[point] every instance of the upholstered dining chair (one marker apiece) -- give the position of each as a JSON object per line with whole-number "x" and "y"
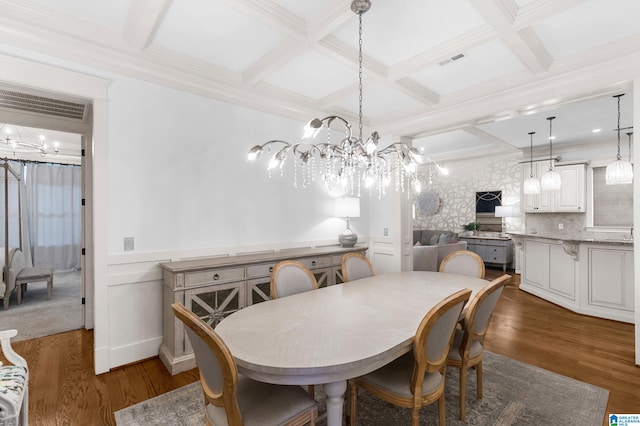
{"x": 14, "y": 384}
{"x": 291, "y": 277}
{"x": 463, "y": 262}
{"x": 355, "y": 266}
{"x": 417, "y": 378}
{"x": 467, "y": 348}
{"x": 233, "y": 399}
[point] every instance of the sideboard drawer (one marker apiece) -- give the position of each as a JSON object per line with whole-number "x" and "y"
{"x": 213, "y": 276}
{"x": 316, "y": 262}
{"x": 263, "y": 270}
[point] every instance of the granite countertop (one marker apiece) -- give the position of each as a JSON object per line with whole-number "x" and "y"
{"x": 574, "y": 238}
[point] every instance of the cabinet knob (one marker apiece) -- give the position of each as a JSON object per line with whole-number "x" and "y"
{"x": 313, "y": 263}
{"x": 216, "y": 277}
{"x": 270, "y": 269}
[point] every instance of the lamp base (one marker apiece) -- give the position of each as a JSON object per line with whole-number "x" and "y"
{"x": 348, "y": 239}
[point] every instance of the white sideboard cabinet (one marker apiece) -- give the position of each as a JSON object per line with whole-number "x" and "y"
{"x": 569, "y": 199}
{"x": 492, "y": 250}
{"x": 214, "y": 288}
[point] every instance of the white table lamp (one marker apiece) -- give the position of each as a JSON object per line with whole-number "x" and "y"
{"x": 347, "y": 207}
{"x": 504, "y": 211}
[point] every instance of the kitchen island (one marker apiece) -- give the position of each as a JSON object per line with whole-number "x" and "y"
{"x": 586, "y": 275}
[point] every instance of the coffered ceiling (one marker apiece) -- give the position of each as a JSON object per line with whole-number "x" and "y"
{"x": 461, "y": 78}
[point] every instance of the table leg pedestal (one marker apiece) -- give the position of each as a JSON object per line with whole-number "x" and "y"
{"x": 335, "y": 401}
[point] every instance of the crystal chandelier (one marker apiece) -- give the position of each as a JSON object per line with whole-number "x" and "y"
{"x": 620, "y": 172}
{"x": 352, "y": 162}
{"x": 17, "y": 145}
{"x": 532, "y": 184}
{"x": 550, "y": 180}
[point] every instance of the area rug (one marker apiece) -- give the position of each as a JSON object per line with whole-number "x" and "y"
{"x": 514, "y": 394}
{"x": 38, "y": 316}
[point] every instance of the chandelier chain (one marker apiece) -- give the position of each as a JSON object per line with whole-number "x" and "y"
{"x": 360, "y": 76}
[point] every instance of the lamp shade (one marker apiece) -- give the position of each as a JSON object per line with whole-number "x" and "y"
{"x": 347, "y": 207}
{"x": 504, "y": 211}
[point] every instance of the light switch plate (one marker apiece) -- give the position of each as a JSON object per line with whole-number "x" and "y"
{"x": 128, "y": 243}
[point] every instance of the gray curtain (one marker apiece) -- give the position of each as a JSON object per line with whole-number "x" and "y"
{"x": 54, "y": 214}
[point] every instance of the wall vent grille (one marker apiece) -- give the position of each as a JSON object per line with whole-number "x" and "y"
{"x": 41, "y": 105}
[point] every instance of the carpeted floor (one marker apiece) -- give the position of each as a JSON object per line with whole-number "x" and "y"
{"x": 37, "y": 316}
{"x": 514, "y": 394}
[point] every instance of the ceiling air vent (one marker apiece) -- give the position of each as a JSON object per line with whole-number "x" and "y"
{"x": 451, "y": 59}
{"x": 41, "y": 105}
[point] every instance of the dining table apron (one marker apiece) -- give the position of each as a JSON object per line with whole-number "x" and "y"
{"x": 336, "y": 333}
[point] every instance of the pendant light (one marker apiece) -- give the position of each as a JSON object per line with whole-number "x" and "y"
{"x": 532, "y": 184}
{"x": 550, "y": 181}
{"x": 620, "y": 172}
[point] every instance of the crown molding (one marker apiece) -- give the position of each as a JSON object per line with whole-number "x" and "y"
{"x": 144, "y": 19}
{"x": 416, "y": 91}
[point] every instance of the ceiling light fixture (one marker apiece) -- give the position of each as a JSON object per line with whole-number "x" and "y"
{"x": 22, "y": 146}
{"x": 352, "y": 162}
{"x": 532, "y": 184}
{"x": 620, "y": 172}
{"x": 550, "y": 180}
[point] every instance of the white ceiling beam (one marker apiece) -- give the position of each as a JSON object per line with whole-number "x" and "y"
{"x": 329, "y": 20}
{"x": 540, "y": 9}
{"x": 459, "y": 44}
{"x": 271, "y": 14}
{"x": 524, "y": 44}
{"x": 275, "y": 59}
{"x": 144, "y": 19}
{"x": 490, "y": 138}
{"x": 344, "y": 53}
{"x": 416, "y": 91}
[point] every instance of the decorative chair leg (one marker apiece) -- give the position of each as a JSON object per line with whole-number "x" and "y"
{"x": 442, "y": 411}
{"x": 479, "y": 379}
{"x": 352, "y": 402}
{"x": 463, "y": 391}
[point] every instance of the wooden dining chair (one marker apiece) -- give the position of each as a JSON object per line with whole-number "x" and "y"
{"x": 355, "y": 266}
{"x": 291, "y": 277}
{"x": 467, "y": 348}
{"x": 417, "y": 378}
{"x": 233, "y": 399}
{"x": 463, "y": 262}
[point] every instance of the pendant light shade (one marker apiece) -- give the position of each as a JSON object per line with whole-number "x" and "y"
{"x": 531, "y": 185}
{"x": 620, "y": 172}
{"x": 550, "y": 181}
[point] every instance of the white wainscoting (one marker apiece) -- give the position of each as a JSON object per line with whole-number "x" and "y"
{"x": 134, "y": 298}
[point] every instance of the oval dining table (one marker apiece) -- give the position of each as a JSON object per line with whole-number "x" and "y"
{"x": 333, "y": 334}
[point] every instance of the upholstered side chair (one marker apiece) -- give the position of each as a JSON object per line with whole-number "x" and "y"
{"x": 291, "y": 277}
{"x": 233, "y": 399}
{"x": 467, "y": 348}
{"x": 14, "y": 384}
{"x": 463, "y": 262}
{"x": 356, "y": 266}
{"x": 417, "y": 378}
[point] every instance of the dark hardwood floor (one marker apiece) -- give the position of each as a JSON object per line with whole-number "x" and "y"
{"x": 65, "y": 391}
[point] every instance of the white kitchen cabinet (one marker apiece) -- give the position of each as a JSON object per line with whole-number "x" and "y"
{"x": 571, "y": 196}
{"x": 549, "y": 268}
{"x": 591, "y": 278}
{"x": 610, "y": 286}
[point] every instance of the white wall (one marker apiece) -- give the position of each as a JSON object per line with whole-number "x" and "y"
{"x": 170, "y": 170}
